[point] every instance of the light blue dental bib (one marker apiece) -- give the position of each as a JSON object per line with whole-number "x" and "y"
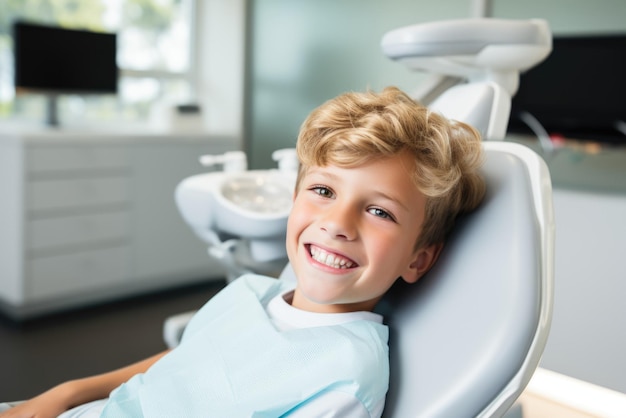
{"x": 232, "y": 362}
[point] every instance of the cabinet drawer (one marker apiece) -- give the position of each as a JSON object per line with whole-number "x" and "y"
{"x": 83, "y": 157}
{"x": 71, "y": 274}
{"x": 77, "y": 230}
{"x": 60, "y": 194}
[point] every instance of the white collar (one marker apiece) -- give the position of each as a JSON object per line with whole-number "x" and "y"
{"x": 286, "y": 317}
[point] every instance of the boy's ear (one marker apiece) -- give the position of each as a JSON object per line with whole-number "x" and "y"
{"x": 424, "y": 259}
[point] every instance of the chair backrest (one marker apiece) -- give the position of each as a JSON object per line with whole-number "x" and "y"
{"x": 465, "y": 339}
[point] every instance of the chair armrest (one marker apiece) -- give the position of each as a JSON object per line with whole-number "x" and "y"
{"x": 174, "y": 326}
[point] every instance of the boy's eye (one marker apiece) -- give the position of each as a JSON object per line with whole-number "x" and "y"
{"x": 322, "y": 191}
{"x": 378, "y": 212}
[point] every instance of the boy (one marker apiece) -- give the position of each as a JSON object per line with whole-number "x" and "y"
{"x": 381, "y": 182}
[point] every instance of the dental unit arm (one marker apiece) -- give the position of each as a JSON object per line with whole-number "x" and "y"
{"x": 477, "y": 63}
{"x": 242, "y": 215}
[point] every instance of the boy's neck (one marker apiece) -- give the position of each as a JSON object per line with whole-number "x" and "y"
{"x": 299, "y": 301}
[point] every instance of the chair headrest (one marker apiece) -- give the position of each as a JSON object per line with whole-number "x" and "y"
{"x": 462, "y": 333}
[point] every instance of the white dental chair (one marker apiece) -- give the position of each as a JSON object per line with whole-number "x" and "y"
{"x": 466, "y": 339}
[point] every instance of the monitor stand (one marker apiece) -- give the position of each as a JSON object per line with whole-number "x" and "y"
{"x": 52, "y": 110}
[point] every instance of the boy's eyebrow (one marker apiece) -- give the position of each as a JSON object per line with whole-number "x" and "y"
{"x": 322, "y": 173}
{"x": 320, "y": 170}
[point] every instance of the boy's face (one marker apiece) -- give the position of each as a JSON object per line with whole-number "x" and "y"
{"x": 352, "y": 233}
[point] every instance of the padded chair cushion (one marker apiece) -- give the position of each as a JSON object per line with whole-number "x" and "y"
{"x": 462, "y": 333}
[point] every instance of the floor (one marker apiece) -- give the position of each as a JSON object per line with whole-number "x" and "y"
{"x": 39, "y": 353}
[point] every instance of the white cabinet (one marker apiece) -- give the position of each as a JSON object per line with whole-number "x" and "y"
{"x": 87, "y": 218}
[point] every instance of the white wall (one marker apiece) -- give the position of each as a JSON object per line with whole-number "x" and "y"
{"x": 567, "y": 16}
{"x": 588, "y": 335}
{"x": 221, "y": 64}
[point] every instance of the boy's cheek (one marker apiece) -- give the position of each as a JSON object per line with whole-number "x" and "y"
{"x": 300, "y": 212}
{"x": 299, "y": 221}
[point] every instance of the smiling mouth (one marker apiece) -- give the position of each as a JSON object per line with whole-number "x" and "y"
{"x": 329, "y": 259}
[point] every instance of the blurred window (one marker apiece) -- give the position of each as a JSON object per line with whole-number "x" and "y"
{"x": 155, "y": 55}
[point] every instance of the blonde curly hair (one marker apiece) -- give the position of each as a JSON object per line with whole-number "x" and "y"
{"x": 356, "y": 128}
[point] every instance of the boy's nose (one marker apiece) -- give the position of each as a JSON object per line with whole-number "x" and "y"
{"x": 340, "y": 223}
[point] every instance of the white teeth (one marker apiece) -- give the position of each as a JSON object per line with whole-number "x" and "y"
{"x": 330, "y": 260}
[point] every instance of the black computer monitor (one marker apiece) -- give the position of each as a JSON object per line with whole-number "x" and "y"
{"x": 579, "y": 91}
{"x": 54, "y": 60}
